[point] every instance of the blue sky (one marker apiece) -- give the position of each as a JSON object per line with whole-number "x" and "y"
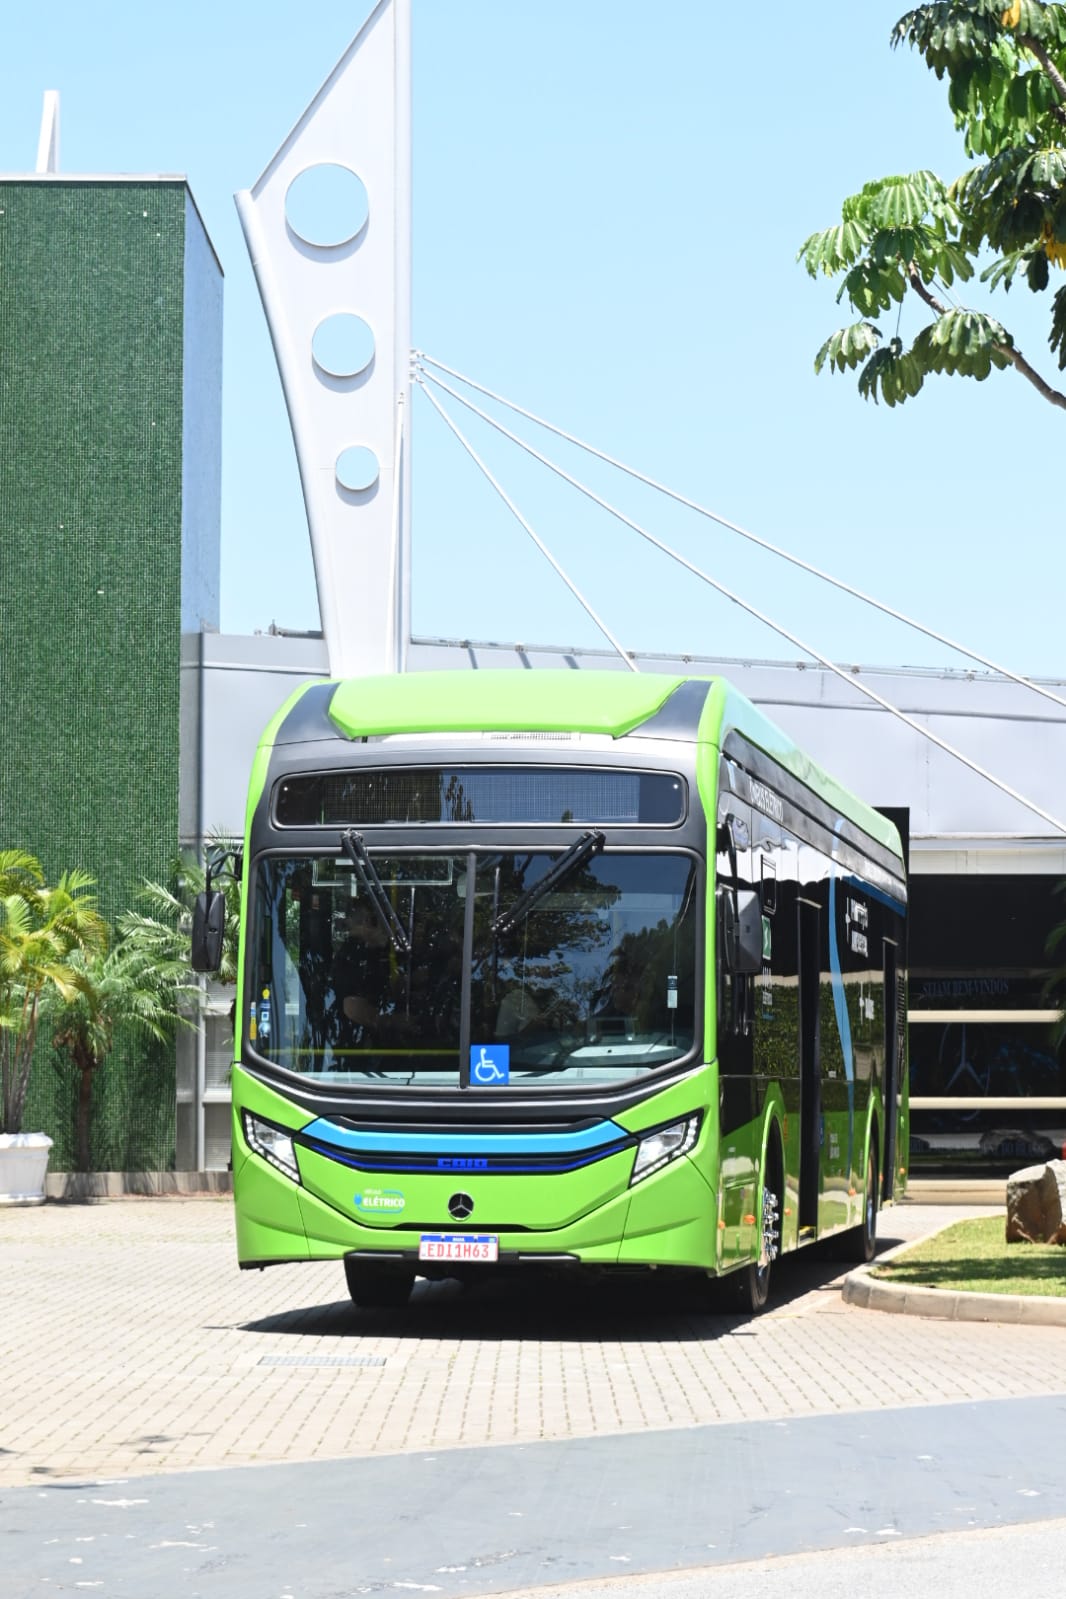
{"x": 609, "y": 197}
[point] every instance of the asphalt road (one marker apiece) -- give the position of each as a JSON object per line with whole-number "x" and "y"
{"x": 497, "y": 1520}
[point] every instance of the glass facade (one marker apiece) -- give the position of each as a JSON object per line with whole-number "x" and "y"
{"x": 987, "y": 1058}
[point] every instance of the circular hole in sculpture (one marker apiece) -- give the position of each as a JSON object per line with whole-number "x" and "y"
{"x": 343, "y": 345}
{"x": 357, "y": 468}
{"x": 327, "y": 204}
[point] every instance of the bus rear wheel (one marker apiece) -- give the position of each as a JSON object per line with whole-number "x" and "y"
{"x": 378, "y": 1285}
{"x": 859, "y": 1244}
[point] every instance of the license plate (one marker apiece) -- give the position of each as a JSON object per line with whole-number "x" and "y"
{"x": 458, "y": 1246}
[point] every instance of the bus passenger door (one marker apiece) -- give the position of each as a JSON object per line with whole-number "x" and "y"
{"x": 737, "y": 1108}
{"x": 893, "y": 1060}
{"x": 810, "y": 945}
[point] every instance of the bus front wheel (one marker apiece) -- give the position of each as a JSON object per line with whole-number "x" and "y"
{"x": 378, "y": 1285}
{"x": 751, "y": 1284}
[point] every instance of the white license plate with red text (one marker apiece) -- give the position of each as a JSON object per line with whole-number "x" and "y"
{"x": 459, "y": 1246}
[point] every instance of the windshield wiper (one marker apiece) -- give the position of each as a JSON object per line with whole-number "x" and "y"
{"x": 588, "y": 844}
{"x": 353, "y": 846}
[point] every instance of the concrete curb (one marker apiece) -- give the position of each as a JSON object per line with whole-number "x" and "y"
{"x": 81, "y": 1186}
{"x": 867, "y": 1292}
{"x": 956, "y": 1191}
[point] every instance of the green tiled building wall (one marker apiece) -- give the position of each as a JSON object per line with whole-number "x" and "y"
{"x": 94, "y": 401}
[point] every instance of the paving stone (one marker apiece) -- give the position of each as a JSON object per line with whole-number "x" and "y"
{"x": 132, "y": 1344}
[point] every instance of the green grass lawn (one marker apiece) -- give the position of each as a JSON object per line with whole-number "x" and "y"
{"x": 973, "y": 1257}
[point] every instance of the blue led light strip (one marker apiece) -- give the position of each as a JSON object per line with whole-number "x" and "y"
{"x": 397, "y": 1142}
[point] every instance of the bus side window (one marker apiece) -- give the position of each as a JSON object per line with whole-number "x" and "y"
{"x": 769, "y": 885}
{"x": 739, "y": 953}
{"x": 727, "y": 988}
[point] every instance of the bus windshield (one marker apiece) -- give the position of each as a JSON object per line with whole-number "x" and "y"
{"x": 594, "y": 983}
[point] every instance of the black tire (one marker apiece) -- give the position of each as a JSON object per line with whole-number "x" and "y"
{"x": 378, "y": 1286}
{"x": 750, "y": 1286}
{"x": 859, "y": 1244}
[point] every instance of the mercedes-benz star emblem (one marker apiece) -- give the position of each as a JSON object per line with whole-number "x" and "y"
{"x": 460, "y": 1206}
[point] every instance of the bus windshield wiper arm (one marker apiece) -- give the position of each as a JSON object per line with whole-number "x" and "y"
{"x": 353, "y": 846}
{"x": 589, "y": 844}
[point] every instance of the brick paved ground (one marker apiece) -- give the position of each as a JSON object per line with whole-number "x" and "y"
{"x": 131, "y": 1343}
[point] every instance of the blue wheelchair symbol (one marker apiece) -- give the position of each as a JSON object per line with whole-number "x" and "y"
{"x": 489, "y": 1064}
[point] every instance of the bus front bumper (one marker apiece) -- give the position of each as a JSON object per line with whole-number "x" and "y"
{"x": 667, "y": 1220}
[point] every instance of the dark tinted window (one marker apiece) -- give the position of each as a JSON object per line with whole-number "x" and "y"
{"x": 595, "y": 983}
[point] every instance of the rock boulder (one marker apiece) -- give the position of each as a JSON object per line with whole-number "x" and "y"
{"x": 1036, "y": 1204}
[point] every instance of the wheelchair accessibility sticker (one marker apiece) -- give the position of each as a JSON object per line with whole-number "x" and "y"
{"x": 490, "y": 1064}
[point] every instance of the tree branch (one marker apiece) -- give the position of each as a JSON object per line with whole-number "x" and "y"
{"x": 1020, "y": 364}
{"x": 1014, "y": 356}
{"x": 923, "y": 292}
{"x": 1027, "y": 41}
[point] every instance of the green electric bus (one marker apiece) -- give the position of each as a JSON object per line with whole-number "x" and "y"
{"x": 559, "y": 969}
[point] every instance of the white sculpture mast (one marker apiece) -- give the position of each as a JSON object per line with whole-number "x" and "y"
{"x": 48, "y": 142}
{"x": 328, "y": 227}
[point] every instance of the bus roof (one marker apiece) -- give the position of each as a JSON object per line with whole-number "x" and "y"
{"x": 734, "y": 712}
{"x": 611, "y": 703}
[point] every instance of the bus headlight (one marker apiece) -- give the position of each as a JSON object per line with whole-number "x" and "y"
{"x": 658, "y": 1149}
{"x": 272, "y": 1143}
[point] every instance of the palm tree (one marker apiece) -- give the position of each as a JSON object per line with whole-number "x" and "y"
{"x": 42, "y": 930}
{"x": 142, "y": 983}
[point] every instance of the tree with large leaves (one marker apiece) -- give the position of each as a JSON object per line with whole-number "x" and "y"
{"x": 141, "y": 985}
{"x": 914, "y": 237}
{"x": 44, "y": 933}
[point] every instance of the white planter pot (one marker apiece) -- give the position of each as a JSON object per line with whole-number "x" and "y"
{"x": 23, "y": 1167}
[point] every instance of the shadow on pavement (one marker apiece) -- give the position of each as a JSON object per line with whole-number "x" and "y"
{"x": 566, "y": 1307}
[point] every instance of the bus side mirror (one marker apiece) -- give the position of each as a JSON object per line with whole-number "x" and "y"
{"x": 208, "y": 928}
{"x": 740, "y": 924}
